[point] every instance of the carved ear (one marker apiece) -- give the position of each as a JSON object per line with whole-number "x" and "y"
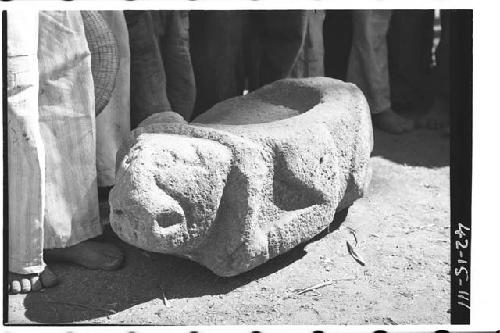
{"x": 131, "y": 138}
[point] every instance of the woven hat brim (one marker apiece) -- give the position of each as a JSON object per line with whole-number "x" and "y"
{"x": 105, "y": 58}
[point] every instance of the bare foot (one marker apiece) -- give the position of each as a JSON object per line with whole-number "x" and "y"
{"x": 89, "y": 254}
{"x": 25, "y": 283}
{"x": 391, "y": 122}
{"x": 438, "y": 116}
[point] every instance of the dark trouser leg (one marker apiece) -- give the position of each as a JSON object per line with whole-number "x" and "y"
{"x": 174, "y": 48}
{"x": 337, "y": 32}
{"x": 147, "y": 75}
{"x": 217, "y": 55}
{"x": 368, "y": 62}
{"x": 310, "y": 61}
{"x": 280, "y": 35}
{"x": 410, "y": 51}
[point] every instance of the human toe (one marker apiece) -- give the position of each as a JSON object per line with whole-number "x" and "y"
{"x": 15, "y": 287}
{"x": 36, "y": 284}
{"x": 25, "y": 285}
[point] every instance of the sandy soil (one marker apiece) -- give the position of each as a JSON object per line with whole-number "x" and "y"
{"x": 399, "y": 232}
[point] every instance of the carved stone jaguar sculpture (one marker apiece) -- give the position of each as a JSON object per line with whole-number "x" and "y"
{"x": 249, "y": 179}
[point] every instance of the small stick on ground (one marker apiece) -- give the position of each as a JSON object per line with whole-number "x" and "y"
{"x": 353, "y": 233}
{"x": 390, "y": 321}
{"x": 353, "y": 254}
{"x": 83, "y": 306}
{"x": 321, "y": 285}
{"x": 165, "y": 300}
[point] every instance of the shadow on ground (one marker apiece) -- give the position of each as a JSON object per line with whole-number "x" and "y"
{"x": 421, "y": 147}
{"x": 85, "y": 294}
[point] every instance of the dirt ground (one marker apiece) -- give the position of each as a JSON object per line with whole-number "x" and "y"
{"x": 399, "y": 231}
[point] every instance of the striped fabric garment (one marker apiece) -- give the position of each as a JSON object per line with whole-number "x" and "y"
{"x": 26, "y": 157}
{"x": 61, "y": 127}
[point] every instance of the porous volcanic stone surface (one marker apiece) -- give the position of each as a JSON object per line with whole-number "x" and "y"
{"x": 249, "y": 179}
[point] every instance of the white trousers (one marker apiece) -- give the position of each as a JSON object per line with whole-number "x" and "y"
{"x": 51, "y": 137}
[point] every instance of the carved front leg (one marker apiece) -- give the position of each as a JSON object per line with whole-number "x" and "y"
{"x": 237, "y": 241}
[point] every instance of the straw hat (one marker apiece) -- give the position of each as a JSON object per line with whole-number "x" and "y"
{"x": 105, "y": 58}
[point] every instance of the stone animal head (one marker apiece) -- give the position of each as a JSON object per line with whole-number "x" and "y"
{"x": 170, "y": 189}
